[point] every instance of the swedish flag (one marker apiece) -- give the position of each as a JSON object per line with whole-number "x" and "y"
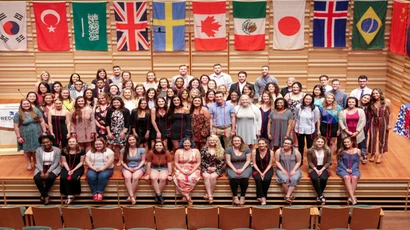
{"x": 369, "y": 23}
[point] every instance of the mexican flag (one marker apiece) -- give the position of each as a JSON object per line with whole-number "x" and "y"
{"x": 249, "y": 24}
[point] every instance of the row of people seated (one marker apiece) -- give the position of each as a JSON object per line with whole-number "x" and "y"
{"x": 187, "y": 166}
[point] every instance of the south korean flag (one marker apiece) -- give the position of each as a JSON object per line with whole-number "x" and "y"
{"x": 13, "y": 35}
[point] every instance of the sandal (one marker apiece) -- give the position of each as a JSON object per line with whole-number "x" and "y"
{"x": 235, "y": 201}
{"x": 69, "y": 200}
{"x": 29, "y": 168}
{"x": 242, "y": 201}
{"x": 288, "y": 200}
{"x": 133, "y": 201}
{"x": 372, "y": 158}
{"x": 206, "y": 196}
{"x": 211, "y": 199}
{"x": 379, "y": 159}
{"x": 46, "y": 200}
{"x": 318, "y": 200}
{"x": 349, "y": 201}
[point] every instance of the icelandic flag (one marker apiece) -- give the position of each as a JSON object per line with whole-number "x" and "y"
{"x": 169, "y": 26}
{"x": 329, "y": 23}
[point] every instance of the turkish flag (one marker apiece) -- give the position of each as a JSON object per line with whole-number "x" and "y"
{"x": 51, "y": 26}
{"x": 398, "y": 28}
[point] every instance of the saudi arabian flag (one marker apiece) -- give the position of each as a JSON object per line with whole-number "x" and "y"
{"x": 90, "y": 25}
{"x": 368, "y": 24}
{"x": 249, "y": 24}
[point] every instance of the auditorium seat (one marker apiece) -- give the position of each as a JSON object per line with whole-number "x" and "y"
{"x": 12, "y": 217}
{"x": 369, "y": 213}
{"x": 77, "y": 216}
{"x": 265, "y": 216}
{"x": 295, "y": 217}
{"x": 70, "y": 229}
{"x": 114, "y": 214}
{"x": 170, "y": 217}
{"x": 37, "y": 228}
{"x": 196, "y": 216}
{"x": 139, "y": 216}
{"x": 234, "y": 217}
{"x": 47, "y": 216}
{"x": 334, "y": 217}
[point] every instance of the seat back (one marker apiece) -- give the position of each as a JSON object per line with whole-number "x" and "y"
{"x": 139, "y": 217}
{"x": 264, "y": 217}
{"x": 295, "y": 218}
{"x": 170, "y": 217}
{"x": 11, "y": 217}
{"x": 370, "y": 214}
{"x": 47, "y": 216}
{"x": 234, "y": 217}
{"x": 77, "y": 217}
{"x": 107, "y": 217}
{"x": 202, "y": 217}
{"x": 334, "y": 217}
{"x": 37, "y": 228}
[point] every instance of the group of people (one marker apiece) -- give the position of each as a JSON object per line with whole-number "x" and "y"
{"x": 191, "y": 127}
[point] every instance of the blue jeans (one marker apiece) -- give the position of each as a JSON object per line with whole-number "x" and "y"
{"x": 98, "y": 180}
{"x": 363, "y": 144}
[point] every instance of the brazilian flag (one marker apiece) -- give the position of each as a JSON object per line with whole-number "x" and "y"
{"x": 368, "y": 24}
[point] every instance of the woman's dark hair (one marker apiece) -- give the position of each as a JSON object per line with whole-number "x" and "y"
{"x": 157, "y": 106}
{"x": 35, "y": 103}
{"x": 66, "y": 150}
{"x": 311, "y": 106}
{"x": 288, "y": 139}
{"x": 91, "y": 100}
{"x": 94, "y": 150}
{"x": 122, "y": 106}
{"x": 127, "y": 147}
{"x": 163, "y": 146}
{"x": 298, "y": 84}
{"x": 343, "y": 147}
{"x": 178, "y": 78}
{"x": 118, "y": 90}
{"x": 71, "y": 78}
{"x": 211, "y": 91}
{"x": 191, "y": 110}
{"x": 98, "y": 73}
{"x": 172, "y": 107}
{"x": 43, "y": 84}
{"x": 285, "y": 102}
{"x": 200, "y": 88}
{"x": 56, "y": 83}
{"x": 181, "y": 143}
{"x": 355, "y": 101}
{"x": 277, "y": 89}
{"x": 149, "y": 90}
{"x": 43, "y": 137}
{"x": 322, "y": 90}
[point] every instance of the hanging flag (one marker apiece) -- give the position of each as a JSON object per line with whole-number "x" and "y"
{"x": 13, "y": 26}
{"x": 90, "y": 25}
{"x": 131, "y": 24}
{"x": 51, "y": 26}
{"x": 408, "y": 35}
{"x": 169, "y": 26}
{"x": 398, "y": 27}
{"x": 288, "y": 23}
{"x": 249, "y": 25}
{"x": 209, "y": 23}
{"x": 329, "y": 23}
{"x": 368, "y": 24}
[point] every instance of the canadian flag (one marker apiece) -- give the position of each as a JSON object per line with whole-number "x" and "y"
{"x": 210, "y": 29}
{"x": 51, "y": 26}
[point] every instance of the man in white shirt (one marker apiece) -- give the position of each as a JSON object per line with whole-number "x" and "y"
{"x": 220, "y": 77}
{"x": 263, "y": 80}
{"x": 183, "y": 72}
{"x": 116, "y": 79}
{"x": 363, "y": 89}
{"x": 324, "y": 80}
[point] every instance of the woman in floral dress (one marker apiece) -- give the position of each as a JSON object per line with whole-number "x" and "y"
{"x": 200, "y": 122}
{"x": 117, "y": 123}
{"x": 100, "y": 115}
{"x": 187, "y": 172}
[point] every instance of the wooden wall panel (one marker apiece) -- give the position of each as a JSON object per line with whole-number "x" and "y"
{"x": 306, "y": 65}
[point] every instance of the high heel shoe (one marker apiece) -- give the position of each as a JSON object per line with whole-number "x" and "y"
{"x": 235, "y": 201}
{"x": 288, "y": 200}
{"x": 46, "y": 200}
{"x": 379, "y": 159}
{"x": 133, "y": 201}
{"x": 242, "y": 201}
{"x": 210, "y": 199}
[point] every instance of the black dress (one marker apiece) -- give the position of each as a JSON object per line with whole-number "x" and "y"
{"x": 262, "y": 186}
{"x": 60, "y": 130}
{"x": 162, "y": 123}
{"x": 180, "y": 126}
{"x": 72, "y": 186}
{"x": 141, "y": 125}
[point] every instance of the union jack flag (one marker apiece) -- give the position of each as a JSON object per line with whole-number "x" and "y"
{"x": 329, "y": 23}
{"x": 131, "y": 24}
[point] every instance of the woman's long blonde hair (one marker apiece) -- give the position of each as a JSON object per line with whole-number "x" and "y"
{"x": 220, "y": 152}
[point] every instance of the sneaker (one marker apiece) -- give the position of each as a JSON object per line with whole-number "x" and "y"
{"x": 95, "y": 197}
{"x": 99, "y": 197}
{"x": 160, "y": 199}
{"x": 364, "y": 160}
